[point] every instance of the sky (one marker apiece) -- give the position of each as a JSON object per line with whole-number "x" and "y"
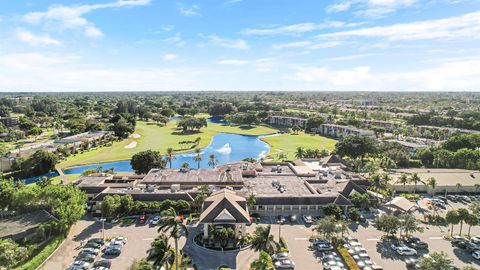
{"x": 162, "y": 45}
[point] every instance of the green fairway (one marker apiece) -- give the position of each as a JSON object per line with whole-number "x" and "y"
{"x": 288, "y": 143}
{"x": 153, "y": 137}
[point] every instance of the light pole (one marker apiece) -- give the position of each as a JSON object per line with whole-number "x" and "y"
{"x": 103, "y": 228}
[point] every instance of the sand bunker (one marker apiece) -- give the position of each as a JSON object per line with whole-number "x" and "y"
{"x": 135, "y": 135}
{"x": 131, "y": 145}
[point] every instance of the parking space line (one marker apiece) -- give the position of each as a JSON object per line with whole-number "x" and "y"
{"x": 436, "y": 238}
{"x": 148, "y": 239}
{"x": 302, "y": 238}
{"x": 373, "y": 239}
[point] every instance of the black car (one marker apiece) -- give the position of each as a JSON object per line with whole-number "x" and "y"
{"x": 460, "y": 244}
{"x": 96, "y": 240}
{"x": 103, "y": 263}
{"x": 93, "y": 245}
{"x": 280, "y": 219}
{"x": 416, "y": 243}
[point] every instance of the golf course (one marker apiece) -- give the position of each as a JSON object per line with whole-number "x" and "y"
{"x": 150, "y": 136}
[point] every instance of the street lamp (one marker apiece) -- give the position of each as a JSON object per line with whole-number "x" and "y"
{"x": 103, "y": 228}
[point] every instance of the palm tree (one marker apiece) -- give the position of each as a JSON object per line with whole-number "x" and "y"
{"x": 161, "y": 253}
{"x": 415, "y": 179}
{"x": 264, "y": 262}
{"x": 452, "y": 218}
{"x": 262, "y": 240}
{"x": 403, "y": 180}
{"x": 432, "y": 182}
{"x": 471, "y": 220}
{"x": 198, "y": 157}
{"x": 251, "y": 200}
{"x": 171, "y": 222}
{"x": 459, "y": 186}
{"x": 170, "y": 156}
{"x": 463, "y": 215}
{"x": 299, "y": 153}
{"x": 212, "y": 161}
{"x": 185, "y": 166}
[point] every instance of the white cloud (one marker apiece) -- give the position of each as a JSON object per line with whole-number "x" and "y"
{"x": 34, "y": 39}
{"x": 294, "y": 29}
{"x": 228, "y": 43}
{"x": 307, "y": 45}
{"x": 71, "y": 17}
{"x": 462, "y": 75}
{"x": 190, "y": 11}
{"x": 169, "y": 57}
{"x": 176, "y": 39}
{"x": 234, "y": 62}
{"x": 259, "y": 65}
{"x": 370, "y": 8}
{"x": 464, "y": 26}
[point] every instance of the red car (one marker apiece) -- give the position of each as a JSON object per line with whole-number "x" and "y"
{"x": 141, "y": 219}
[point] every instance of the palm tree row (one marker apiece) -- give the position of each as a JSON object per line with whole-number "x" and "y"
{"x": 310, "y": 153}
{"x": 461, "y": 216}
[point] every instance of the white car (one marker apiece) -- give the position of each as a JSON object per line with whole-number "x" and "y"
{"x": 406, "y": 251}
{"x": 307, "y": 219}
{"x": 122, "y": 239}
{"x": 280, "y": 256}
{"x": 476, "y": 255}
{"x": 155, "y": 220}
{"x": 285, "y": 264}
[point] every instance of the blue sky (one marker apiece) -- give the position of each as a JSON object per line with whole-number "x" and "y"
{"x": 151, "y": 45}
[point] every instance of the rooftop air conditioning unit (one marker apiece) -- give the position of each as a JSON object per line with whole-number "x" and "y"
{"x": 175, "y": 187}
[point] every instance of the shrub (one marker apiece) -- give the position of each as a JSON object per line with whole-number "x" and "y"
{"x": 41, "y": 256}
{"x": 347, "y": 258}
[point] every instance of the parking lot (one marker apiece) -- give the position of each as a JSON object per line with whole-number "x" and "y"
{"x": 139, "y": 239}
{"x": 296, "y": 235}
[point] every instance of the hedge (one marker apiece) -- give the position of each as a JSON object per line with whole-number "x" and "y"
{"x": 347, "y": 258}
{"x": 34, "y": 262}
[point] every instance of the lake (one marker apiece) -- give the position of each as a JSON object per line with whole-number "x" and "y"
{"x": 226, "y": 148}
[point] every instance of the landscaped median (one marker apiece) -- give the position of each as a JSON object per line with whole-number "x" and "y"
{"x": 347, "y": 258}
{"x": 43, "y": 255}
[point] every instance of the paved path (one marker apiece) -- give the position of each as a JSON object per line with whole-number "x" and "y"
{"x": 62, "y": 175}
{"x": 207, "y": 259}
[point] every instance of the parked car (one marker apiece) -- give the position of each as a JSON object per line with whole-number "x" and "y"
{"x": 452, "y": 198}
{"x": 141, "y": 219}
{"x": 93, "y": 251}
{"x": 96, "y": 240}
{"x": 86, "y": 257}
{"x": 416, "y": 243}
{"x": 113, "y": 250}
{"x": 121, "y": 239}
{"x": 92, "y": 245}
{"x": 470, "y": 246}
{"x": 100, "y": 268}
{"x": 281, "y": 219}
{"x": 284, "y": 264}
{"x": 103, "y": 263}
{"x": 476, "y": 254}
{"x": 332, "y": 264}
{"x": 457, "y": 238}
{"x": 307, "y": 219}
{"x": 406, "y": 251}
{"x": 79, "y": 265}
{"x": 155, "y": 220}
{"x": 280, "y": 256}
{"x": 475, "y": 239}
{"x": 460, "y": 244}
{"x": 293, "y": 218}
{"x": 324, "y": 247}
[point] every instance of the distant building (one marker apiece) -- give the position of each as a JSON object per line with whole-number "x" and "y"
{"x": 387, "y": 125}
{"x": 9, "y": 121}
{"x": 287, "y": 121}
{"x": 339, "y": 131}
{"x": 448, "y": 180}
{"x": 447, "y": 131}
{"x": 412, "y": 147}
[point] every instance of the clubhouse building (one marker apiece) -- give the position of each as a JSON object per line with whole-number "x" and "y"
{"x": 301, "y": 187}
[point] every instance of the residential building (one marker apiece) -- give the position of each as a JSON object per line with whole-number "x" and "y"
{"x": 9, "y": 121}
{"x": 286, "y": 121}
{"x": 339, "y": 131}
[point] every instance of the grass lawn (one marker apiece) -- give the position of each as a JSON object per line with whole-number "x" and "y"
{"x": 153, "y": 137}
{"x": 288, "y": 143}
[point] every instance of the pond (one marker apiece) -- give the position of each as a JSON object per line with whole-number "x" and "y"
{"x": 226, "y": 148}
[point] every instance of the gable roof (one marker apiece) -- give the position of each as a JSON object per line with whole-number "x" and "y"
{"x": 346, "y": 188}
{"x": 402, "y": 204}
{"x": 224, "y": 206}
{"x": 342, "y": 201}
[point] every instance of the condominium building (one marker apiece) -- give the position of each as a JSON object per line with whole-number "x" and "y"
{"x": 339, "y": 131}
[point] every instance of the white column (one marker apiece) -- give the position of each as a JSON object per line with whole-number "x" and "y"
{"x": 205, "y": 230}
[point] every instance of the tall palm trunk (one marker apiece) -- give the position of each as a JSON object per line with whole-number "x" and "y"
{"x": 461, "y": 226}
{"x": 176, "y": 253}
{"x": 451, "y": 231}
